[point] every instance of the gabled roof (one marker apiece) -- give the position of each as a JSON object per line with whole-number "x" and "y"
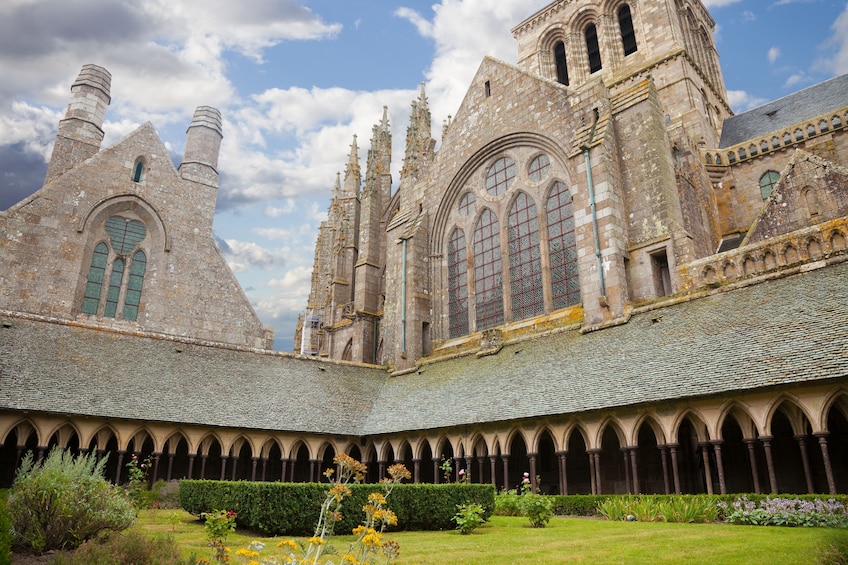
{"x": 784, "y": 331}
{"x": 796, "y": 107}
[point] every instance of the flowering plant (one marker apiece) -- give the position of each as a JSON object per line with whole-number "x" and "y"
{"x": 787, "y": 512}
{"x": 369, "y": 542}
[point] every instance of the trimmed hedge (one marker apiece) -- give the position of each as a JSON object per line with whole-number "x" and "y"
{"x": 293, "y": 508}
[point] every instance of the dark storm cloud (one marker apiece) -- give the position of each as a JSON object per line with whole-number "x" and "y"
{"x": 21, "y": 173}
{"x": 36, "y": 29}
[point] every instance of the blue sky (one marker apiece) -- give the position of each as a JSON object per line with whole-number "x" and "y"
{"x": 296, "y": 79}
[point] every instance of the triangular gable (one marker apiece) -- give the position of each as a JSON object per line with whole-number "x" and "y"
{"x": 811, "y": 190}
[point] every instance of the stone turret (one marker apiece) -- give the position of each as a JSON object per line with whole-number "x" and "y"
{"x": 203, "y": 143}
{"x": 81, "y": 131}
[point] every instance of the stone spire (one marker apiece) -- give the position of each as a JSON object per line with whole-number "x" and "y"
{"x": 81, "y": 131}
{"x": 420, "y": 145}
{"x": 353, "y": 175}
{"x": 203, "y": 143}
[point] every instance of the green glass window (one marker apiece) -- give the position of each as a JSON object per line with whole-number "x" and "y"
{"x": 114, "y": 288}
{"x": 136, "y": 278}
{"x": 767, "y": 182}
{"x": 94, "y": 285}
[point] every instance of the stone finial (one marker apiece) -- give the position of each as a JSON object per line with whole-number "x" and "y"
{"x": 203, "y": 144}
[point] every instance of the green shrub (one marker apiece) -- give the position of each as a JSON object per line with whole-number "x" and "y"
{"x": 508, "y": 504}
{"x": 63, "y": 501}
{"x": 538, "y": 508}
{"x": 5, "y": 531}
{"x": 468, "y": 517}
{"x": 293, "y": 508}
{"x": 128, "y": 548}
{"x": 166, "y": 494}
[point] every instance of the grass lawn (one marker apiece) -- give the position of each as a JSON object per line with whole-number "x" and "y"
{"x": 508, "y": 540}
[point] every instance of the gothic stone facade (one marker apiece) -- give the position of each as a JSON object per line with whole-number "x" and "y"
{"x": 601, "y": 277}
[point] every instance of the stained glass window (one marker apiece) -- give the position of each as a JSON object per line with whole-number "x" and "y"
{"x": 96, "y": 274}
{"x": 500, "y": 176}
{"x": 488, "y": 276}
{"x": 133, "y": 298}
{"x": 466, "y": 204}
{"x": 539, "y": 168}
{"x": 562, "y": 242}
{"x": 457, "y": 284}
{"x": 525, "y": 261}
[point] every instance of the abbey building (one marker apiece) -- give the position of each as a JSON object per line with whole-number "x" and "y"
{"x": 599, "y": 275}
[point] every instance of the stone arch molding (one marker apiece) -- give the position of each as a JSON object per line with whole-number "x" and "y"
{"x": 106, "y": 207}
{"x": 480, "y": 157}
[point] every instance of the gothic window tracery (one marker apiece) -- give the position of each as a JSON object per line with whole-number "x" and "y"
{"x": 488, "y": 276}
{"x": 120, "y": 296}
{"x": 525, "y": 261}
{"x": 540, "y": 262}
{"x": 457, "y": 284}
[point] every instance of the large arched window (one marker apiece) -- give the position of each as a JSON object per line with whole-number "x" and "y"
{"x": 560, "y": 62}
{"x": 767, "y": 182}
{"x": 562, "y": 242}
{"x": 628, "y": 35}
{"x": 525, "y": 261}
{"x": 488, "y": 276}
{"x": 120, "y": 297}
{"x": 592, "y": 48}
{"x": 457, "y": 284}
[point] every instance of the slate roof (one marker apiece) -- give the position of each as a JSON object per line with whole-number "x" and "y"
{"x": 789, "y": 330}
{"x": 796, "y": 107}
{"x": 72, "y": 370}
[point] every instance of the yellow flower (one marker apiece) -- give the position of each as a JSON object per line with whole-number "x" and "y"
{"x": 358, "y": 530}
{"x": 376, "y": 498}
{"x": 315, "y": 540}
{"x": 290, "y": 543}
{"x": 350, "y": 559}
{"x": 247, "y": 553}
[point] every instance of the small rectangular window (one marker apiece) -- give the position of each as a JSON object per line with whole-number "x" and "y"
{"x": 488, "y": 89}
{"x": 662, "y": 275}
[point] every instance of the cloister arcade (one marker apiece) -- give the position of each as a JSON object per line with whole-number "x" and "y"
{"x": 782, "y": 441}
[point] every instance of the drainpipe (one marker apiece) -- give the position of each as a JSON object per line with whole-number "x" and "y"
{"x": 403, "y": 304}
{"x": 603, "y": 297}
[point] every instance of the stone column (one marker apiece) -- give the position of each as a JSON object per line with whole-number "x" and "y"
{"x": 722, "y": 485}
{"x": 625, "y": 451}
{"x": 708, "y": 473}
{"x": 436, "y": 471}
{"x": 203, "y": 459}
{"x": 479, "y": 470}
{"x": 170, "y": 466}
{"x": 592, "y": 481}
{"x": 563, "y": 479}
{"x": 675, "y": 469}
{"x": 264, "y": 461}
{"x": 155, "y": 476}
{"x": 634, "y": 466}
{"x": 223, "y": 466}
{"x": 828, "y": 468}
{"x": 752, "y": 457}
{"x": 190, "y": 466}
{"x": 121, "y": 454}
{"x": 235, "y": 459}
{"x": 805, "y": 461}
{"x": 532, "y": 458}
{"x": 664, "y": 459}
{"x": 253, "y": 462}
{"x": 505, "y": 459}
{"x": 381, "y": 470}
{"x": 314, "y": 465}
{"x": 284, "y": 461}
{"x": 416, "y": 471}
{"x": 492, "y": 466}
{"x": 769, "y": 463}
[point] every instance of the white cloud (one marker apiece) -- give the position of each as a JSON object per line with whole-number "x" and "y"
{"x": 719, "y": 3}
{"x": 244, "y": 255}
{"x": 740, "y": 100}
{"x": 838, "y": 41}
{"x": 773, "y": 54}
